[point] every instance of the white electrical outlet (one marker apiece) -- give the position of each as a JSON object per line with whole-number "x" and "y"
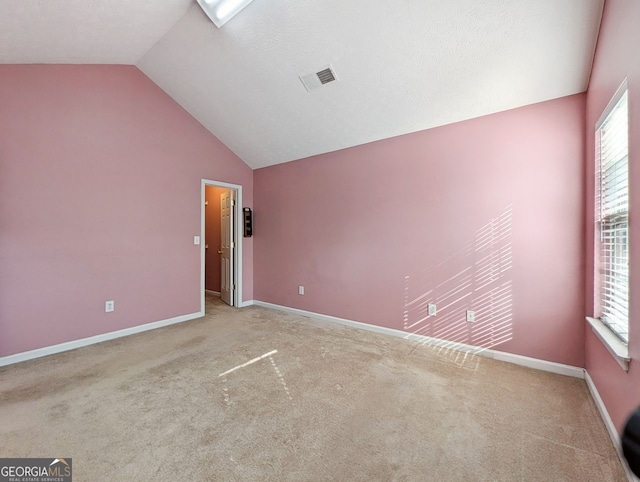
{"x": 432, "y": 309}
{"x": 300, "y": 290}
{"x": 196, "y": 240}
{"x": 109, "y": 306}
{"x": 471, "y": 316}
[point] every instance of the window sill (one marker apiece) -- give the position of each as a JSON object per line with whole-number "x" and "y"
{"x": 616, "y": 347}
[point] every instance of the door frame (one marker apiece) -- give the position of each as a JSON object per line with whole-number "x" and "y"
{"x": 237, "y": 263}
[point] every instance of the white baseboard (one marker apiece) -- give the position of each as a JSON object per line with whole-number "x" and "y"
{"x": 543, "y": 365}
{"x": 538, "y": 364}
{"x": 211, "y": 292}
{"x": 608, "y": 423}
{"x": 71, "y": 345}
{"x": 247, "y": 303}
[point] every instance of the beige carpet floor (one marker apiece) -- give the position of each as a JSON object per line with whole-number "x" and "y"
{"x": 324, "y": 402}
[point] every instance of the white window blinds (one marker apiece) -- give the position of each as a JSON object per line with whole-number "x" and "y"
{"x": 612, "y": 216}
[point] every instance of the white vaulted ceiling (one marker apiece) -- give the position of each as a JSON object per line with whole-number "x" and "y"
{"x": 403, "y": 66}
{"x": 83, "y": 31}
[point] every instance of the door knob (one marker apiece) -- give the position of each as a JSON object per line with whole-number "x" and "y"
{"x": 219, "y": 252}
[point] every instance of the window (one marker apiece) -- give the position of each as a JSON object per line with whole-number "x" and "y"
{"x": 612, "y": 215}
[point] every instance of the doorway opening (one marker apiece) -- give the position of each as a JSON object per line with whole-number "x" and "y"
{"x": 221, "y": 247}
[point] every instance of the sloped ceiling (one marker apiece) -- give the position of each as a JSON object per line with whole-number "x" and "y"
{"x": 403, "y": 66}
{"x": 84, "y": 31}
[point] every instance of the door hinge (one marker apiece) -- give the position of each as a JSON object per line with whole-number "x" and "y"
{"x": 233, "y": 245}
{"x": 233, "y": 202}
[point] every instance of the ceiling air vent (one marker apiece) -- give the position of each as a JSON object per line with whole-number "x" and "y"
{"x": 318, "y": 79}
{"x": 326, "y": 76}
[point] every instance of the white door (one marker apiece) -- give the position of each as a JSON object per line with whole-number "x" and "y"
{"x": 227, "y": 246}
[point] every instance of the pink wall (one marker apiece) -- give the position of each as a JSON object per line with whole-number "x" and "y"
{"x": 100, "y": 199}
{"x": 485, "y": 214}
{"x": 616, "y": 58}
{"x": 212, "y": 237}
